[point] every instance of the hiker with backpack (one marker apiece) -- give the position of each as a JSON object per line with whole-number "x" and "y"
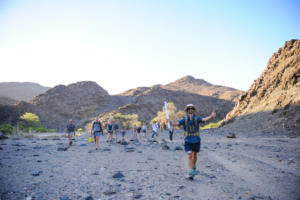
{"x": 155, "y": 129}
{"x": 110, "y": 130}
{"x": 192, "y": 140}
{"x": 70, "y": 130}
{"x": 96, "y": 130}
{"x": 115, "y": 129}
{"x": 123, "y": 132}
{"x": 134, "y": 131}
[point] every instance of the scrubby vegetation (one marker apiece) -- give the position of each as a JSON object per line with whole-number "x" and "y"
{"x": 29, "y": 123}
{"x": 173, "y": 114}
{"x": 211, "y": 125}
{"x": 127, "y": 121}
{"x": 7, "y": 129}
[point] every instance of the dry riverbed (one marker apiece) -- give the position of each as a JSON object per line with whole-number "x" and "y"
{"x": 256, "y": 167}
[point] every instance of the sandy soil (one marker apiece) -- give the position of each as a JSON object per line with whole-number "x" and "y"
{"x": 256, "y": 167}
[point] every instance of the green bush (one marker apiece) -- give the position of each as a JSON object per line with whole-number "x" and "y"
{"x": 40, "y": 129}
{"x": 31, "y": 119}
{"x": 6, "y": 129}
{"x": 174, "y": 115}
{"x": 52, "y": 130}
{"x": 79, "y": 130}
{"x": 127, "y": 121}
{"x": 211, "y": 125}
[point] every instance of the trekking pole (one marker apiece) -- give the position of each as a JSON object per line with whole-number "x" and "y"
{"x": 167, "y": 115}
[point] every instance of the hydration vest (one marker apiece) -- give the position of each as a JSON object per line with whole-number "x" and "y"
{"x": 97, "y": 127}
{"x": 192, "y": 132}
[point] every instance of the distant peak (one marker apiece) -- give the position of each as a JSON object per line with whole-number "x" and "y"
{"x": 188, "y": 77}
{"x": 191, "y": 79}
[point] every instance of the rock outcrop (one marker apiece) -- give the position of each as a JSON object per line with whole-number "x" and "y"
{"x": 202, "y": 87}
{"x": 83, "y": 101}
{"x": 79, "y": 101}
{"x": 273, "y": 100}
{"x": 147, "y": 101}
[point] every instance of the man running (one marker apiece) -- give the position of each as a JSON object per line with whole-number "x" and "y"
{"x": 155, "y": 129}
{"x": 95, "y": 130}
{"x": 70, "y": 130}
{"x": 192, "y": 138}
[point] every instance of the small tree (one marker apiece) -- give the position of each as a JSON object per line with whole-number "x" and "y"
{"x": 31, "y": 119}
{"x": 173, "y": 114}
{"x": 127, "y": 121}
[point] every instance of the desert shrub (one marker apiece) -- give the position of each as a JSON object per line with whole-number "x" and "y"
{"x": 52, "y": 130}
{"x": 6, "y": 129}
{"x": 211, "y": 125}
{"x": 40, "y": 129}
{"x": 127, "y": 121}
{"x": 30, "y": 119}
{"x": 173, "y": 115}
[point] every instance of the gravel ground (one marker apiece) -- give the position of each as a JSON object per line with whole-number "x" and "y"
{"x": 256, "y": 167}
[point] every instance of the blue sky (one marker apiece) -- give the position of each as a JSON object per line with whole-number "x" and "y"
{"x": 125, "y": 44}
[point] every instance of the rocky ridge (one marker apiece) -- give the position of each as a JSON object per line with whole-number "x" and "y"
{"x": 146, "y": 102}
{"x": 83, "y": 101}
{"x": 273, "y": 100}
{"x": 202, "y": 87}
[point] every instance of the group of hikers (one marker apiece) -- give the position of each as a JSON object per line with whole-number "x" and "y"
{"x": 190, "y": 124}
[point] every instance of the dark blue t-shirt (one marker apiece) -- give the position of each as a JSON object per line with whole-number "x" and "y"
{"x": 191, "y": 128}
{"x": 109, "y": 127}
{"x": 70, "y": 128}
{"x": 116, "y": 127}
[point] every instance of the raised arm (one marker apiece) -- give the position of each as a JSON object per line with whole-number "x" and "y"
{"x": 173, "y": 123}
{"x": 212, "y": 115}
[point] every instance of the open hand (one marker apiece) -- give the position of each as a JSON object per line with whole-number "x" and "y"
{"x": 213, "y": 114}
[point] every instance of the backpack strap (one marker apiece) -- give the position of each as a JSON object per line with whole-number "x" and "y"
{"x": 186, "y": 133}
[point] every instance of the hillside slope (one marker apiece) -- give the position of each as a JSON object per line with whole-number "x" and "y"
{"x": 273, "y": 100}
{"x": 202, "y": 87}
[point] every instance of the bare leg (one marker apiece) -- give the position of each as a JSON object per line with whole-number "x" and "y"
{"x": 190, "y": 161}
{"x": 97, "y": 142}
{"x": 194, "y": 158}
{"x": 70, "y": 140}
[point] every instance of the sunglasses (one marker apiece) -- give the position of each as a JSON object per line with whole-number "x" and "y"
{"x": 190, "y": 109}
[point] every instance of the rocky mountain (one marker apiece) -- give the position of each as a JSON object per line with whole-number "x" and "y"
{"x": 202, "y": 87}
{"x": 21, "y": 91}
{"x": 79, "y": 101}
{"x": 147, "y": 101}
{"x": 82, "y": 101}
{"x": 273, "y": 100}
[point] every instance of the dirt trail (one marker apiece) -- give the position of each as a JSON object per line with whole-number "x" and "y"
{"x": 241, "y": 168}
